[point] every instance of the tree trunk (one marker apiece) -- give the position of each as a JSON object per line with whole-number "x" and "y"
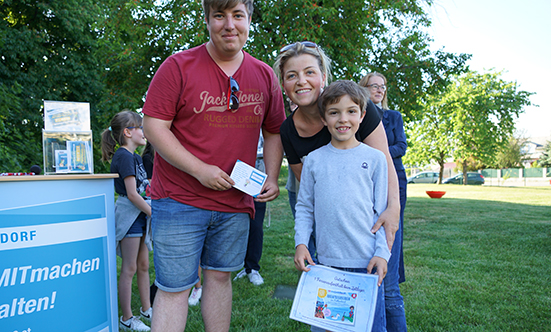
{"x": 441, "y": 174}
{"x": 465, "y": 173}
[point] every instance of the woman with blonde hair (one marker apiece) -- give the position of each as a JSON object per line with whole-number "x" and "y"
{"x": 304, "y": 70}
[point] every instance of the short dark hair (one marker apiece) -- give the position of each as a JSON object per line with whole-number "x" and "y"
{"x": 334, "y": 92}
{"x": 225, "y": 4}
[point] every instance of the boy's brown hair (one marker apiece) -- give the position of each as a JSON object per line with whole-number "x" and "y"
{"x": 334, "y": 92}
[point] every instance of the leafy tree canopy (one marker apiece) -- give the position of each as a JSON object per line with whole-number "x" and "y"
{"x": 47, "y": 53}
{"x": 545, "y": 159}
{"x": 360, "y": 37}
{"x": 484, "y": 109}
{"x": 430, "y": 137}
{"x": 472, "y": 119}
{"x": 512, "y": 154}
{"x": 106, "y": 53}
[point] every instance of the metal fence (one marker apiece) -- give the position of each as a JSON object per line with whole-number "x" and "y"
{"x": 535, "y": 176}
{"x": 525, "y": 177}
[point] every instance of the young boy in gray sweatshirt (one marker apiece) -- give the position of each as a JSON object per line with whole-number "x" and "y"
{"x": 343, "y": 188}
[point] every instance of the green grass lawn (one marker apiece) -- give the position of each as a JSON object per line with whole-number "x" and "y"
{"x": 478, "y": 259}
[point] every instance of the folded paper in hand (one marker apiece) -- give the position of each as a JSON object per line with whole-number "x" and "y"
{"x": 248, "y": 179}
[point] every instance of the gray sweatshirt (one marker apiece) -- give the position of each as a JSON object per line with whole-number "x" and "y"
{"x": 344, "y": 192}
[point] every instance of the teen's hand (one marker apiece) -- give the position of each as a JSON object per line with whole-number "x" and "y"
{"x": 301, "y": 255}
{"x": 214, "y": 178}
{"x": 381, "y": 265}
{"x": 269, "y": 192}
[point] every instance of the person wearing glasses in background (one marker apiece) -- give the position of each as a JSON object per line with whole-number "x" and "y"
{"x": 304, "y": 70}
{"x": 204, "y": 110}
{"x": 394, "y": 128}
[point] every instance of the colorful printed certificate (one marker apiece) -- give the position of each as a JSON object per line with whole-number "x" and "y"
{"x": 335, "y": 300}
{"x": 247, "y": 178}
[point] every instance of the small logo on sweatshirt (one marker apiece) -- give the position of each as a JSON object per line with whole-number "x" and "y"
{"x": 364, "y": 165}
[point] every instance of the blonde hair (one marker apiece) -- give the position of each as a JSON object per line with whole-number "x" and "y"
{"x": 298, "y": 48}
{"x": 338, "y": 89}
{"x": 365, "y": 82}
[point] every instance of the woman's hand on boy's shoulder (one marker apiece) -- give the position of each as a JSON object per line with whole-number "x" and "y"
{"x": 390, "y": 219}
{"x": 301, "y": 255}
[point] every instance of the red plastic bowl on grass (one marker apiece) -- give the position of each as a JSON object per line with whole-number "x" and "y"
{"x": 435, "y": 194}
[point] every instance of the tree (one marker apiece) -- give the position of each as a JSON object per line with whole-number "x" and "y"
{"x": 47, "y": 53}
{"x": 472, "y": 119}
{"x": 362, "y": 36}
{"x": 545, "y": 159}
{"x": 359, "y": 36}
{"x": 106, "y": 53}
{"x": 9, "y": 135}
{"x": 485, "y": 108}
{"x": 135, "y": 38}
{"x": 511, "y": 155}
{"x": 430, "y": 137}
{"x": 402, "y": 54}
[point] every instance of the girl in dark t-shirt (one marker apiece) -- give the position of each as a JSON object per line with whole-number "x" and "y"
{"x": 131, "y": 211}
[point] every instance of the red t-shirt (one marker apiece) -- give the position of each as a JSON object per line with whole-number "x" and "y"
{"x": 191, "y": 90}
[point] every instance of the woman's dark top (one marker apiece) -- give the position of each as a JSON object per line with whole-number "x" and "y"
{"x": 397, "y": 143}
{"x": 297, "y": 147}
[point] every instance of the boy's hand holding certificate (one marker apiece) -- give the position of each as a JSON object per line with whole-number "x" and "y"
{"x": 248, "y": 179}
{"x": 335, "y": 300}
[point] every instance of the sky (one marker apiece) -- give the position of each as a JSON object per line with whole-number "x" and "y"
{"x": 514, "y": 36}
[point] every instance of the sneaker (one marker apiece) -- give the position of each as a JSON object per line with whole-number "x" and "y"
{"x": 195, "y": 296}
{"x": 133, "y": 324}
{"x": 240, "y": 275}
{"x": 255, "y": 278}
{"x": 146, "y": 315}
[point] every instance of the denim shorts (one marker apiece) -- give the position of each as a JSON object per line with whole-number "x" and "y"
{"x": 138, "y": 227}
{"x": 184, "y": 236}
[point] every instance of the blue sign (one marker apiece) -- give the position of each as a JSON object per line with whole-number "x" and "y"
{"x": 54, "y": 267}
